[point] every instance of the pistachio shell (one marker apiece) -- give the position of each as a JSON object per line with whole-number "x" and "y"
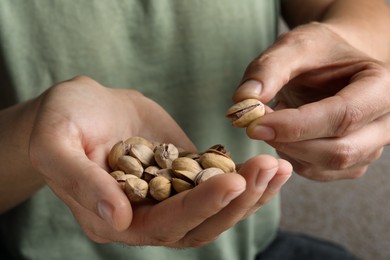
{"x": 180, "y": 185}
{"x": 186, "y": 164}
{"x": 167, "y": 173}
{"x": 226, "y": 164}
{"x": 207, "y": 174}
{"x": 117, "y": 174}
{"x": 164, "y": 154}
{"x": 136, "y": 189}
{"x": 138, "y": 140}
{"x": 244, "y": 112}
{"x": 130, "y": 165}
{"x": 160, "y": 188}
{"x": 142, "y": 153}
{"x": 186, "y": 175}
{"x": 150, "y": 172}
{"x": 119, "y": 149}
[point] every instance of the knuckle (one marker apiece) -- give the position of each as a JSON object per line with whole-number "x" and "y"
{"x": 351, "y": 117}
{"x": 344, "y": 155}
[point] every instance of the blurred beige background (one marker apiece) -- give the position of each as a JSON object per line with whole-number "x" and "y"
{"x": 354, "y": 213}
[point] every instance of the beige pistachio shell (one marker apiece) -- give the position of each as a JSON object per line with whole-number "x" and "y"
{"x": 130, "y": 165}
{"x": 207, "y": 174}
{"x": 136, "y": 189}
{"x": 244, "y": 112}
{"x": 180, "y": 185}
{"x": 164, "y": 154}
{"x": 160, "y": 188}
{"x": 117, "y": 174}
{"x": 138, "y": 140}
{"x": 142, "y": 153}
{"x": 208, "y": 160}
{"x": 119, "y": 149}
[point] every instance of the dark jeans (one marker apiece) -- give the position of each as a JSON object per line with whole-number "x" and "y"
{"x": 291, "y": 246}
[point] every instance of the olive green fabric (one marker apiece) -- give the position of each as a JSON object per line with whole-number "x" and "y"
{"x": 188, "y": 56}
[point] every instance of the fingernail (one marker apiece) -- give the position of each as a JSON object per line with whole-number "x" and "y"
{"x": 250, "y": 89}
{"x": 263, "y": 133}
{"x": 105, "y": 211}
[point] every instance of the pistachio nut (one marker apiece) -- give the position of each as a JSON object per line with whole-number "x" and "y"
{"x": 160, "y": 188}
{"x": 130, "y": 165}
{"x": 186, "y": 168}
{"x": 142, "y": 153}
{"x": 164, "y": 154}
{"x": 139, "y": 140}
{"x": 119, "y": 149}
{"x": 226, "y": 164}
{"x": 207, "y": 174}
{"x": 244, "y": 112}
{"x": 180, "y": 185}
{"x": 136, "y": 189}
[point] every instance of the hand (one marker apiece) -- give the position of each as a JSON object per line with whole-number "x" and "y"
{"x": 332, "y": 114}
{"x": 76, "y": 125}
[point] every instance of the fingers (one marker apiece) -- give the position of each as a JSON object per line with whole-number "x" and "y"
{"x": 70, "y": 173}
{"x": 350, "y": 109}
{"x": 268, "y": 73}
{"x": 264, "y": 176}
{"x": 167, "y": 222}
{"x": 338, "y": 158}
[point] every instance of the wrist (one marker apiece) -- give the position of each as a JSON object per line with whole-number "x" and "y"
{"x": 18, "y": 176}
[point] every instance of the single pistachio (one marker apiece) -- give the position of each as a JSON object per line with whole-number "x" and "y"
{"x": 130, "y": 165}
{"x": 150, "y": 172}
{"x": 208, "y": 160}
{"x": 166, "y": 172}
{"x": 207, "y": 174}
{"x": 164, "y": 154}
{"x": 160, "y": 188}
{"x": 219, "y": 149}
{"x": 122, "y": 179}
{"x": 119, "y": 149}
{"x": 138, "y": 140}
{"x": 142, "y": 153}
{"x": 180, "y": 185}
{"x": 244, "y": 112}
{"x": 186, "y": 168}
{"x": 136, "y": 189}
{"x": 117, "y": 174}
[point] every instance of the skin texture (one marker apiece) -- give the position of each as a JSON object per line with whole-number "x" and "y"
{"x": 330, "y": 82}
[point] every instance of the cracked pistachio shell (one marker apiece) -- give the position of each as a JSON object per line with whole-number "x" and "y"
{"x": 244, "y": 112}
{"x": 186, "y": 168}
{"x": 180, "y": 185}
{"x": 119, "y": 149}
{"x": 136, "y": 189}
{"x": 117, "y": 174}
{"x": 164, "y": 154}
{"x": 208, "y": 160}
{"x": 150, "y": 172}
{"x": 130, "y": 165}
{"x": 142, "y": 153}
{"x": 207, "y": 174}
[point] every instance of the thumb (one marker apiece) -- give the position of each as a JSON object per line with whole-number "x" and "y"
{"x": 294, "y": 53}
{"x": 70, "y": 173}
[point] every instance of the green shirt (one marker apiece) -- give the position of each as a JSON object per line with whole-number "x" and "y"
{"x": 188, "y": 56}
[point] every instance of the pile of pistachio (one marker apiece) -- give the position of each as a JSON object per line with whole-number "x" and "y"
{"x": 147, "y": 169}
